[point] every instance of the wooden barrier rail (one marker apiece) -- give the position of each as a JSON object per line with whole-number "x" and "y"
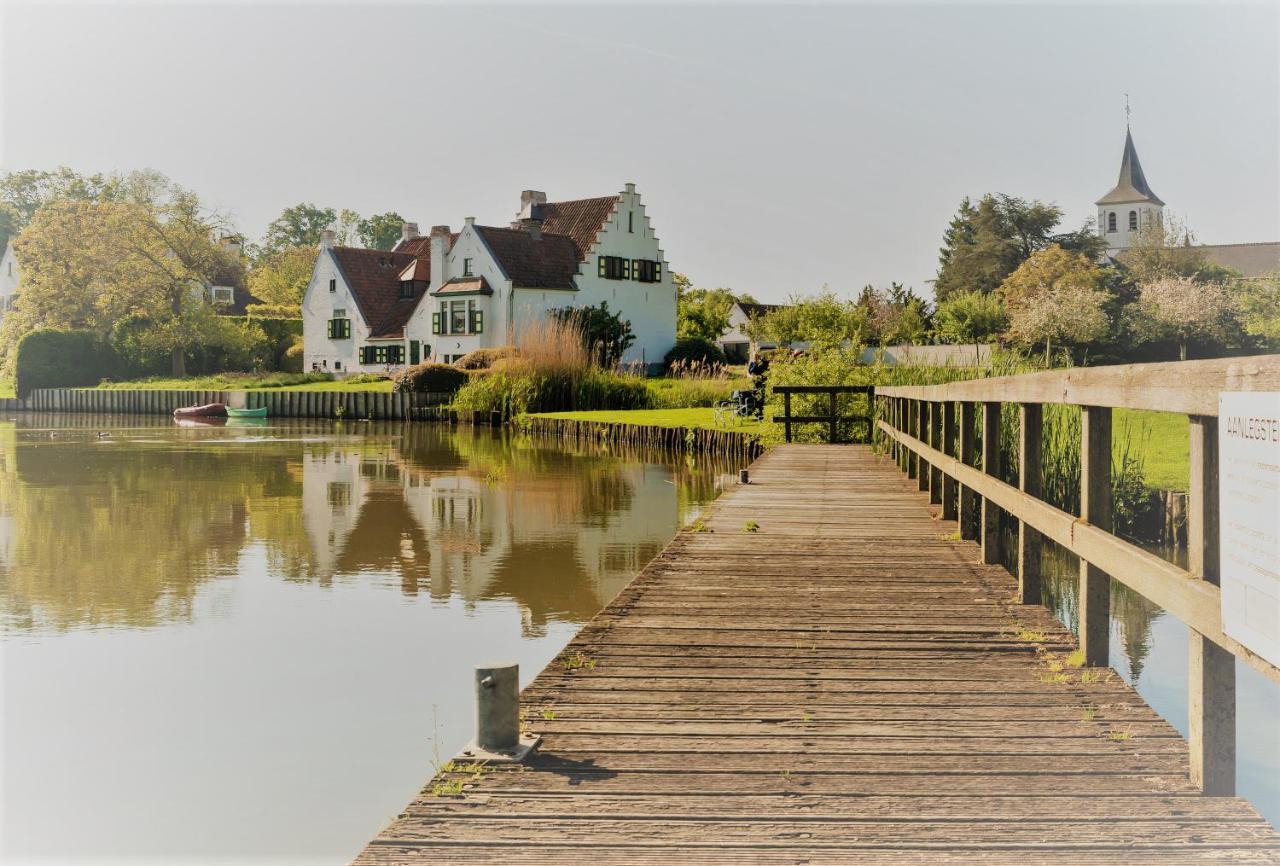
{"x": 353, "y": 405}
{"x": 931, "y": 433}
{"x": 832, "y": 418}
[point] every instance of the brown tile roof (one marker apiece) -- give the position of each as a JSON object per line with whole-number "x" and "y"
{"x": 579, "y": 219}
{"x": 374, "y": 279}
{"x": 547, "y": 262}
{"x": 420, "y": 245}
{"x": 465, "y": 286}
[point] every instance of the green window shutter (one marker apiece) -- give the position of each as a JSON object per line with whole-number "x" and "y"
{"x": 331, "y": 329}
{"x": 657, "y": 272}
{"x": 346, "y": 329}
{"x": 435, "y": 323}
{"x": 477, "y": 322}
{"x": 415, "y": 351}
{"x": 626, "y": 269}
{"x": 603, "y": 265}
{"x": 637, "y": 269}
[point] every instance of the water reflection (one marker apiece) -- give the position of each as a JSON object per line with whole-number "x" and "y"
{"x": 122, "y": 531}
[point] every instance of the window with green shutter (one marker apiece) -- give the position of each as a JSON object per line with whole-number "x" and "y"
{"x": 339, "y": 329}
{"x": 415, "y": 352}
{"x": 435, "y": 323}
{"x": 477, "y": 321}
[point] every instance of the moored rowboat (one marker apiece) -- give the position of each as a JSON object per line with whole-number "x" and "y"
{"x": 260, "y": 412}
{"x": 208, "y": 410}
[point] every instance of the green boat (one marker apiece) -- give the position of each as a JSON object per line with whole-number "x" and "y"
{"x": 260, "y": 412}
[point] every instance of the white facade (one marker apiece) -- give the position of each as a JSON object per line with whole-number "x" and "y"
{"x": 1121, "y": 224}
{"x": 10, "y": 275}
{"x": 505, "y": 307}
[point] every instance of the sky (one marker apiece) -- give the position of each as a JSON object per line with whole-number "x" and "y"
{"x": 777, "y": 148}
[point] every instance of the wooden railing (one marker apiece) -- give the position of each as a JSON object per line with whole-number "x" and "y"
{"x": 832, "y": 418}
{"x": 930, "y": 430}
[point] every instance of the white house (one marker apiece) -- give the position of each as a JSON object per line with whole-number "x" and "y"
{"x": 734, "y": 342}
{"x": 10, "y": 275}
{"x": 440, "y": 296}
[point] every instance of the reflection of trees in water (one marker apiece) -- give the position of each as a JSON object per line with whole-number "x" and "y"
{"x": 107, "y": 533}
{"x": 126, "y": 532}
{"x": 1134, "y": 613}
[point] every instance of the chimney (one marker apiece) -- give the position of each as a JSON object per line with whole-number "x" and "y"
{"x": 408, "y": 231}
{"x": 231, "y": 244}
{"x": 439, "y": 256}
{"x": 631, "y": 188}
{"x": 326, "y": 239}
{"x": 531, "y": 202}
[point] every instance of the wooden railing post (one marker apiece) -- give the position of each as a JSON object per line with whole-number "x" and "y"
{"x": 832, "y": 404}
{"x": 935, "y": 441}
{"x": 1095, "y": 509}
{"x": 912, "y": 429}
{"x": 968, "y": 450}
{"x": 1211, "y": 670}
{"x": 904, "y": 453}
{"x": 1030, "y": 427}
{"x": 786, "y": 413}
{"x": 990, "y": 533}
{"x": 922, "y": 433}
{"x": 949, "y": 447}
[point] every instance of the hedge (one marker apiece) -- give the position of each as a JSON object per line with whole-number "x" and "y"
{"x": 63, "y": 359}
{"x": 430, "y": 378}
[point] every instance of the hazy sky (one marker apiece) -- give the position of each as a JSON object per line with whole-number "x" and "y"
{"x": 777, "y": 148}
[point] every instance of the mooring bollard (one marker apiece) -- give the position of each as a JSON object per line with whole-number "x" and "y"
{"x": 498, "y": 736}
{"x": 743, "y": 477}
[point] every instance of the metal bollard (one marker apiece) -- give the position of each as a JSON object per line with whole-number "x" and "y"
{"x": 743, "y": 477}
{"x": 497, "y": 707}
{"x": 498, "y": 738}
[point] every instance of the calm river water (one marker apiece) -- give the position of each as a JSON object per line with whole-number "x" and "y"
{"x": 250, "y": 644}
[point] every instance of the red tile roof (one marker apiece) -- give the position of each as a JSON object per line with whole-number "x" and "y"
{"x": 465, "y": 286}
{"x": 420, "y": 245}
{"x": 579, "y": 219}
{"x": 546, "y": 262}
{"x": 374, "y": 279}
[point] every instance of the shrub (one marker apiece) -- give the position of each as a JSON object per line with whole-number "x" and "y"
{"x": 691, "y": 393}
{"x": 606, "y": 336}
{"x": 483, "y": 359}
{"x": 524, "y": 388}
{"x": 63, "y": 359}
{"x": 694, "y": 349}
{"x": 292, "y": 360}
{"x": 430, "y": 378}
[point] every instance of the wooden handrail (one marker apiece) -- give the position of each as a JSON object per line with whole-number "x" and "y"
{"x": 832, "y": 419}
{"x": 1186, "y": 387}
{"x": 920, "y": 424}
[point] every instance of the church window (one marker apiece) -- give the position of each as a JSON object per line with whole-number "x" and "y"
{"x": 1133, "y": 220}
{"x": 1111, "y": 221}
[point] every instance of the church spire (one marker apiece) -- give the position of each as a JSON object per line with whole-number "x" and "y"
{"x": 1132, "y": 187}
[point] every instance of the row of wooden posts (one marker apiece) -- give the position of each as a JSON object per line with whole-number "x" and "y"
{"x": 362, "y": 405}
{"x": 930, "y": 432}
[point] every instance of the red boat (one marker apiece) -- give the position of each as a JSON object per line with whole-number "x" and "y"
{"x": 209, "y": 410}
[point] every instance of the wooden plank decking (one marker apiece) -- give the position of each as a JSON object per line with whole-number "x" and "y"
{"x": 846, "y": 685}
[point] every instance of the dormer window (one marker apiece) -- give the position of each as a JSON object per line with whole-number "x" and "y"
{"x": 467, "y": 268}
{"x": 1111, "y": 221}
{"x": 406, "y": 289}
{"x": 1133, "y": 220}
{"x": 222, "y": 294}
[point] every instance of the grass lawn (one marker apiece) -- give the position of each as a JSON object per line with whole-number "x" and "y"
{"x": 1163, "y": 438}
{"x": 6, "y": 390}
{"x": 246, "y": 382}
{"x": 696, "y": 418}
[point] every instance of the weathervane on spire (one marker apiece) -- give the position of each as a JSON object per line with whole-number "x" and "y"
{"x": 1126, "y": 111}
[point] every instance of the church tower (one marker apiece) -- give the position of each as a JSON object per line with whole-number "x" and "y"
{"x": 1130, "y": 205}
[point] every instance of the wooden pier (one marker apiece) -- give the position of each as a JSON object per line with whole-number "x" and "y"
{"x": 848, "y": 683}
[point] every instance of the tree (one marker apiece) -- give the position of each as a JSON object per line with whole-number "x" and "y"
{"x": 23, "y": 193}
{"x": 380, "y": 231}
{"x": 1180, "y": 309}
{"x": 895, "y": 315}
{"x": 822, "y": 320}
{"x": 297, "y": 226}
{"x": 984, "y": 244}
{"x": 1071, "y": 314}
{"x": 703, "y": 313}
{"x": 281, "y": 278}
{"x": 606, "y": 335}
{"x": 969, "y": 317}
{"x": 1259, "y": 305}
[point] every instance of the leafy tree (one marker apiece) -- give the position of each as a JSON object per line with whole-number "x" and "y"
{"x": 1050, "y": 269}
{"x": 282, "y": 278}
{"x": 969, "y": 317}
{"x": 1259, "y": 306}
{"x": 985, "y": 243}
{"x": 606, "y": 335}
{"x": 895, "y": 315}
{"x": 703, "y": 313}
{"x": 23, "y": 193}
{"x": 297, "y": 226}
{"x": 822, "y": 321}
{"x": 380, "y": 231}
{"x": 1179, "y": 309}
{"x": 1071, "y": 314}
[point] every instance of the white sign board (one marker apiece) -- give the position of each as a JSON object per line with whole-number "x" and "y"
{"x": 1249, "y": 511}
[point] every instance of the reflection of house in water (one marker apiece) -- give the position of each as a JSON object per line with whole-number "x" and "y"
{"x": 559, "y": 540}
